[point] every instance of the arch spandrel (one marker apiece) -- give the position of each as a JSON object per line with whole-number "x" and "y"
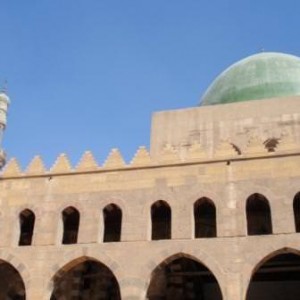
{"x": 120, "y": 202}
{"x": 14, "y": 277}
{"x": 197, "y": 193}
{"x": 16, "y": 263}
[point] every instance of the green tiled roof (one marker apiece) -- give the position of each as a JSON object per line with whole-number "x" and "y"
{"x": 260, "y": 76}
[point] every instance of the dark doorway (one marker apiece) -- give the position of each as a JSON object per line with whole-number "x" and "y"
{"x": 87, "y": 280}
{"x": 11, "y": 284}
{"x": 112, "y": 215}
{"x": 71, "y": 217}
{"x": 205, "y": 218}
{"x": 277, "y": 279}
{"x": 27, "y": 219}
{"x": 183, "y": 279}
{"x": 296, "y": 206}
{"x": 161, "y": 220}
{"x": 258, "y": 215}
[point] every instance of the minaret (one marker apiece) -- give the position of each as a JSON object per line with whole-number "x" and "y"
{"x": 4, "y": 103}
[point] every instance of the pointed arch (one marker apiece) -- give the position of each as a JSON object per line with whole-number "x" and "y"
{"x": 86, "y": 278}
{"x": 11, "y": 283}
{"x": 296, "y": 208}
{"x": 71, "y": 219}
{"x": 276, "y": 277}
{"x": 183, "y": 277}
{"x": 27, "y": 221}
{"x": 205, "y": 222}
{"x": 112, "y": 216}
{"x": 258, "y": 214}
{"x": 161, "y": 219}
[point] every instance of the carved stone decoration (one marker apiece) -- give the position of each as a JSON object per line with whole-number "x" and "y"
{"x": 255, "y": 146}
{"x": 271, "y": 144}
{"x": 169, "y": 154}
{"x": 287, "y": 143}
{"x": 226, "y": 149}
{"x": 196, "y": 152}
{"x": 114, "y": 160}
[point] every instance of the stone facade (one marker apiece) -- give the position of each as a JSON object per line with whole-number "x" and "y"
{"x": 224, "y": 152}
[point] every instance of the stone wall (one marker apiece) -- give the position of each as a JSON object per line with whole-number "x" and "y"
{"x": 228, "y": 178}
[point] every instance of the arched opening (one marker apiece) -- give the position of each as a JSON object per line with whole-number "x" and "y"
{"x": 86, "y": 280}
{"x": 183, "y": 278}
{"x": 161, "y": 220}
{"x": 296, "y": 206}
{"x": 112, "y": 215}
{"x": 70, "y": 217}
{"x": 258, "y": 215}
{"x": 11, "y": 284}
{"x": 276, "y": 279}
{"x": 205, "y": 218}
{"x": 26, "y": 219}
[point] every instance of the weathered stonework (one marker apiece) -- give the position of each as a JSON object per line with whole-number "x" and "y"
{"x": 192, "y": 156}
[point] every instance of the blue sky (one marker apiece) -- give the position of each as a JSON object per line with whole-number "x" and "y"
{"x": 88, "y": 74}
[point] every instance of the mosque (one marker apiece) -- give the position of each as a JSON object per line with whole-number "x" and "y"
{"x": 210, "y": 212}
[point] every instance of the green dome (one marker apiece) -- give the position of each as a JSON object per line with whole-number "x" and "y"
{"x": 260, "y": 76}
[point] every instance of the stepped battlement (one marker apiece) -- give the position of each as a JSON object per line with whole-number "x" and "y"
{"x": 169, "y": 155}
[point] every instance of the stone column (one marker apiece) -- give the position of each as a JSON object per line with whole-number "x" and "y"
{"x": 233, "y": 287}
{"x": 133, "y": 289}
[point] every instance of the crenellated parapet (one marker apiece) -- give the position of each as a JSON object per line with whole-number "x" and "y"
{"x": 225, "y": 150}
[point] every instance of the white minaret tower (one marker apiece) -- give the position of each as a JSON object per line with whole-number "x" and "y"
{"x": 4, "y": 103}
